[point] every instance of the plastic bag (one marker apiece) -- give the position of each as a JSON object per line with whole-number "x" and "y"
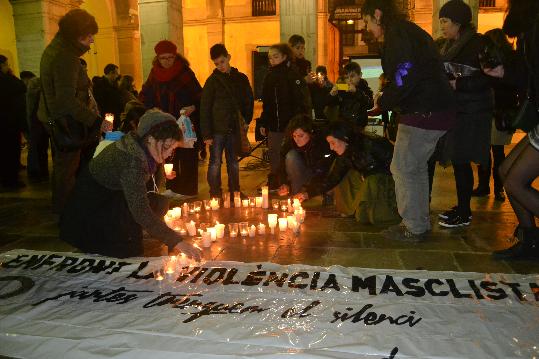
{"x": 188, "y": 131}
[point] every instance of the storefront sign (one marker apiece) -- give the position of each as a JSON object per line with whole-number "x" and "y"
{"x": 55, "y": 305}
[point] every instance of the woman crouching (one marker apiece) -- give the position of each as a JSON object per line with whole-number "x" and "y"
{"x": 360, "y": 176}
{"x": 111, "y": 204}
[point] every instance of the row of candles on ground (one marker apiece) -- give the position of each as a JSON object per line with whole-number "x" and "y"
{"x": 253, "y": 202}
{"x": 211, "y": 234}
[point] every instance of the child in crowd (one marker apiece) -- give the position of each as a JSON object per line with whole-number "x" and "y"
{"x": 356, "y": 100}
{"x": 303, "y": 66}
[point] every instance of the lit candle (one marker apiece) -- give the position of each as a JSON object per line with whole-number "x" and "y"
{"x": 296, "y": 204}
{"x": 176, "y": 212}
{"x": 245, "y": 203}
{"x": 213, "y": 233}
{"x": 226, "y": 200}
{"x": 191, "y": 228}
{"x": 282, "y": 224}
{"x": 258, "y": 201}
{"x": 294, "y": 225}
{"x": 168, "y": 168}
{"x": 289, "y": 220}
{"x": 272, "y": 222}
{"x": 214, "y": 204}
{"x": 252, "y": 202}
{"x": 289, "y": 206}
{"x": 185, "y": 209}
{"x": 206, "y": 239}
{"x": 244, "y": 229}
{"x": 183, "y": 232}
{"x": 252, "y": 231}
{"x": 300, "y": 215}
{"x": 158, "y": 274}
{"x": 262, "y": 229}
{"x": 169, "y": 268}
{"x": 275, "y": 204}
{"x": 237, "y": 199}
{"x": 109, "y": 117}
{"x": 233, "y": 230}
{"x": 220, "y": 229}
{"x": 265, "y": 197}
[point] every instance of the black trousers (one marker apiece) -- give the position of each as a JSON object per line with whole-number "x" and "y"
{"x": 464, "y": 183}
{"x": 483, "y": 172}
{"x": 38, "y": 158}
{"x": 10, "y": 148}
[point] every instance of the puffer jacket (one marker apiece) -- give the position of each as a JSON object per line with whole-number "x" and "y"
{"x": 284, "y": 95}
{"x": 124, "y": 165}
{"x": 65, "y": 83}
{"x": 217, "y": 108}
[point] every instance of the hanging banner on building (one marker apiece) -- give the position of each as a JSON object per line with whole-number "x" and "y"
{"x": 64, "y": 305}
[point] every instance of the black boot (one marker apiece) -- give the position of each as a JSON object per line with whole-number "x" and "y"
{"x": 481, "y": 192}
{"x": 526, "y": 247}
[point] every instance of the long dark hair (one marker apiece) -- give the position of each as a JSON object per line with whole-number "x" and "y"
{"x": 521, "y": 14}
{"x": 284, "y": 49}
{"x": 389, "y": 9}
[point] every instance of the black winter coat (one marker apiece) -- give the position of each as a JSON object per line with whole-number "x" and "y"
{"x": 367, "y": 154}
{"x": 217, "y": 108}
{"x": 353, "y": 106}
{"x": 109, "y": 99}
{"x": 284, "y": 95}
{"x": 316, "y": 154}
{"x": 411, "y": 62}
{"x": 12, "y": 102}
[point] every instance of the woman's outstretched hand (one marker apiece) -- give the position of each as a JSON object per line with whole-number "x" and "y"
{"x": 189, "y": 250}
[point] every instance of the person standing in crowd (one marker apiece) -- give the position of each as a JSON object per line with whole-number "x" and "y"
{"x": 38, "y": 137}
{"x": 360, "y": 176}
{"x": 108, "y": 95}
{"x": 505, "y": 104}
{"x": 305, "y": 156}
{"x": 303, "y": 66}
{"x": 521, "y": 167}
{"x": 225, "y": 92}
{"x": 284, "y": 95}
{"x": 65, "y": 95}
{"x": 357, "y": 100}
{"x": 173, "y": 87}
{"x": 127, "y": 90}
{"x": 469, "y": 141}
{"x": 419, "y": 91}
{"x": 320, "y": 92}
{"x": 111, "y": 204}
{"x": 12, "y": 120}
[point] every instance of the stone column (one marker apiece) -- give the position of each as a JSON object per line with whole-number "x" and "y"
{"x": 159, "y": 20}
{"x": 437, "y": 4}
{"x": 36, "y": 23}
{"x": 300, "y": 17}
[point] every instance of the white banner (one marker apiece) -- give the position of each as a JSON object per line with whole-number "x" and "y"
{"x": 64, "y": 305}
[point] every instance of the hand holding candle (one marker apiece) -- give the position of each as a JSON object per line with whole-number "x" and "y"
{"x": 169, "y": 173}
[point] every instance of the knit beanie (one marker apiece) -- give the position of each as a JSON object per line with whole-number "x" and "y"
{"x": 457, "y": 11}
{"x": 153, "y": 118}
{"x": 165, "y": 47}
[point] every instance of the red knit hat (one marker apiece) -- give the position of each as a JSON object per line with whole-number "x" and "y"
{"x": 165, "y": 47}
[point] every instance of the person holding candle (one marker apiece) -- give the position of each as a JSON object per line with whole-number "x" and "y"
{"x": 107, "y": 93}
{"x": 305, "y": 156}
{"x": 173, "y": 87}
{"x": 110, "y": 204}
{"x": 360, "y": 176}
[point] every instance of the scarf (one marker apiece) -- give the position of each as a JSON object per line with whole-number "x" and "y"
{"x": 161, "y": 74}
{"x": 452, "y": 48}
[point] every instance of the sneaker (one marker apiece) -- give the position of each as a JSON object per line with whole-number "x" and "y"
{"x": 480, "y": 192}
{"x": 454, "y": 221}
{"x": 450, "y": 213}
{"x": 401, "y": 233}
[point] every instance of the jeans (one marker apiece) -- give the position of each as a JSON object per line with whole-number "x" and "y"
{"x": 297, "y": 171}
{"x": 413, "y": 148}
{"x": 223, "y": 143}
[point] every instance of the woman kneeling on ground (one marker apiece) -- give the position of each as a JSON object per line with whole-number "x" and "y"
{"x": 110, "y": 204}
{"x": 360, "y": 176}
{"x": 305, "y": 156}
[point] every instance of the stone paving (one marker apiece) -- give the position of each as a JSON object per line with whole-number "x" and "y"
{"x": 325, "y": 239}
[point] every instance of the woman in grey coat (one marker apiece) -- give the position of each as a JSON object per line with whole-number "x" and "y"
{"x": 111, "y": 203}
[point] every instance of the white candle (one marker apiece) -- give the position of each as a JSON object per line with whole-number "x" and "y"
{"x": 168, "y": 168}
{"x": 220, "y": 229}
{"x": 300, "y": 215}
{"x": 191, "y": 228}
{"x": 245, "y": 203}
{"x": 282, "y": 224}
{"x": 252, "y": 202}
{"x": 258, "y": 202}
{"x": 244, "y": 229}
{"x": 109, "y": 117}
{"x": 226, "y": 200}
{"x": 176, "y": 212}
{"x": 185, "y": 209}
{"x": 272, "y": 222}
{"x": 206, "y": 239}
{"x": 252, "y": 231}
{"x": 214, "y": 204}
{"x": 183, "y": 232}
{"x": 296, "y": 204}
{"x": 213, "y": 233}
{"x": 262, "y": 229}
{"x": 233, "y": 230}
{"x": 265, "y": 197}
{"x": 289, "y": 220}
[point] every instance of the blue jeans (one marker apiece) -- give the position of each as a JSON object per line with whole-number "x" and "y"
{"x": 297, "y": 171}
{"x": 223, "y": 143}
